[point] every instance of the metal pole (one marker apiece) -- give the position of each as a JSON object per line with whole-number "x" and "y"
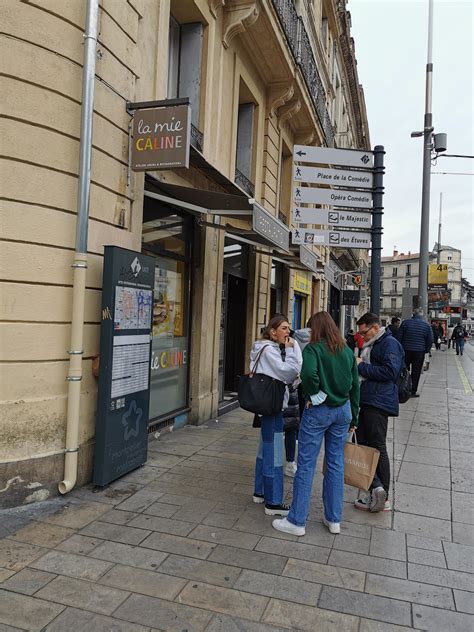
{"x": 425, "y": 194}
{"x": 438, "y": 256}
{"x": 377, "y": 212}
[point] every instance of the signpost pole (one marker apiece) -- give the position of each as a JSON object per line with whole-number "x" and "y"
{"x": 377, "y": 212}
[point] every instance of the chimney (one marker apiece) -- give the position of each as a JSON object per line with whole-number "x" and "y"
{"x": 395, "y": 253}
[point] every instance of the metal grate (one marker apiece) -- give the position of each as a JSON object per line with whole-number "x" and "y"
{"x": 197, "y": 138}
{"x": 244, "y": 183}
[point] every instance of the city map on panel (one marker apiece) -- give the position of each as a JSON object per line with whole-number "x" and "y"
{"x": 133, "y": 308}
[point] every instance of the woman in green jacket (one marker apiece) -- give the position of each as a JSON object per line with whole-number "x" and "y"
{"x": 331, "y": 387}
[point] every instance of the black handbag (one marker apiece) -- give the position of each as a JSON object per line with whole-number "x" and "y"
{"x": 259, "y": 393}
{"x": 404, "y": 385}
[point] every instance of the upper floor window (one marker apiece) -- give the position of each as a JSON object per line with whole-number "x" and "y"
{"x": 394, "y": 271}
{"x": 450, "y": 258}
{"x": 246, "y": 130}
{"x": 408, "y": 283}
{"x": 408, "y": 269}
{"x": 394, "y": 287}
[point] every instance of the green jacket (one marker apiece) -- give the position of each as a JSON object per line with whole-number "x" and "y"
{"x": 334, "y": 373}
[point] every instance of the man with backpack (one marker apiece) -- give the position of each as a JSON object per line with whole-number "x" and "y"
{"x": 379, "y": 365}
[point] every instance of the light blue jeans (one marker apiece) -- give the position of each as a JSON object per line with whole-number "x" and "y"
{"x": 332, "y": 424}
{"x": 269, "y": 464}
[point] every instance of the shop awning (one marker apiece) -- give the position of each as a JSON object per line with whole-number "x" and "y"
{"x": 266, "y": 229}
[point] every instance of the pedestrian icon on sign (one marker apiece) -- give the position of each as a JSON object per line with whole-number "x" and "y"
{"x": 298, "y": 172}
{"x": 298, "y": 193}
{"x": 297, "y": 213}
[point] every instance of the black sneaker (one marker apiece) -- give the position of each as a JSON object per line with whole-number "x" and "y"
{"x": 277, "y": 510}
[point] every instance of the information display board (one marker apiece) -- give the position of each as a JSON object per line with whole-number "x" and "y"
{"x": 125, "y": 354}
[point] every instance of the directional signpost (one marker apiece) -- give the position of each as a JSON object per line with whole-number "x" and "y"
{"x": 338, "y": 177}
{"x": 335, "y": 238}
{"x": 322, "y": 217}
{"x": 327, "y": 156}
{"x": 334, "y": 197}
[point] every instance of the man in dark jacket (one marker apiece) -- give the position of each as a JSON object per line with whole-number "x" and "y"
{"x": 379, "y": 367}
{"x": 416, "y": 338}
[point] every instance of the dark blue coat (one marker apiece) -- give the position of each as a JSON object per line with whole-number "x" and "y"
{"x": 415, "y": 335}
{"x": 379, "y": 388}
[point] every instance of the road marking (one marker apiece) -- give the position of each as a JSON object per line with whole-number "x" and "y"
{"x": 463, "y": 376}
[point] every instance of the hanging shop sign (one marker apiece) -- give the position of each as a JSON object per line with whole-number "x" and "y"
{"x": 332, "y": 197}
{"x": 125, "y": 354}
{"x": 267, "y": 225}
{"x": 338, "y": 239}
{"x": 161, "y": 138}
{"x": 337, "y": 177}
{"x": 350, "y": 297}
{"x": 437, "y": 276}
{"x": 308, "y": 258}
{"x": 301, "y": 283}
{"x": 328, "y": 156}
{"x": 350, "y": 219}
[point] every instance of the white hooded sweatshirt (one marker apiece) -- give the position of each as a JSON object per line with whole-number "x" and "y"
{"x": 272, "y": 364}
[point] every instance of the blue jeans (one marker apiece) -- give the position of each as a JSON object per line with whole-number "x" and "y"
{"x": 269, "y": 464}
{"x": 332, "y": 424}
{"x": 459, "y": 346}
{"x": 290, "y": 444}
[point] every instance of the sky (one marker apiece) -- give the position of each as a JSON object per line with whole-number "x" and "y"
{"x": 391, "y": 38}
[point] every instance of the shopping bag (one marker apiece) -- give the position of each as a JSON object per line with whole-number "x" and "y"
{"x": 360, "y": 463}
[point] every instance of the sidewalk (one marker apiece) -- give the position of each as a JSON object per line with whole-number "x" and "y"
{"x": 179, "y": 545}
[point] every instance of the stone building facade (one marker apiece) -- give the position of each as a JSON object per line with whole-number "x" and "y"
{"x": 261, "y": 76}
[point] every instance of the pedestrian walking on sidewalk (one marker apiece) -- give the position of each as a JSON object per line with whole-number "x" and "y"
{"x": 449, "y": 336}
{"x": 379, "y": 367}
{"x": 459, "y": 337}
{"x": 280, "y": 359}
{"x": 394, "y": 326}
{"x": 416, "y": 338}
{"x": 331, "y": 387}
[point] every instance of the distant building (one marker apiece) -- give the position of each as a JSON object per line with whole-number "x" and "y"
{"x": 451, "y": 256}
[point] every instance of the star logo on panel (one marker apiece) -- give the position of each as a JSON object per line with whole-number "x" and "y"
{"x": 131, "y": 421}
{"x": 136, "y": 267}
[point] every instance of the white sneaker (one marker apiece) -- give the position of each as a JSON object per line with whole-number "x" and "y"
{"x": 259, "y": 499}
{"x": 334, "y": 527}
{"x": 290, "y": 468}
{"x": 283, "y": 524}
{"x": 379, "y": 496}
{"x": 363, "y": 502}
{"x": 388, "y": 506}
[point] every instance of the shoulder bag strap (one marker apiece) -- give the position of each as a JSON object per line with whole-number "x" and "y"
{"x": 257, "y": 360}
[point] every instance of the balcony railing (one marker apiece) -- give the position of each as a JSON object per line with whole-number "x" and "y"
{"x": 197, "y": 138}
{"x": 244, "y": 183}
{"x": 300, "y": 45}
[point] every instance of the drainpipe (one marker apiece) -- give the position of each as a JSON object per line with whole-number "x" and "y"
{"x": 79, "y": 266}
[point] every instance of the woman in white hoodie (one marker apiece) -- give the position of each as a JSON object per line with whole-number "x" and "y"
{"x": 281, "y": 359}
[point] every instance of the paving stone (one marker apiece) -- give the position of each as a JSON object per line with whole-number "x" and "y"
{"x": 28, "y": 581}
{"x": 129, "y": 555}
{"x": 427, "y": 618}
{"x": 385, "y": 543}
{"x": 165, "y": 448}
{"x": 16, "y": 555}
{"x": 179, "y": 545}
{"x": 297, "y": 550}
{"x": 298, "y": 617}
{"x": 463, "y": 507}
{"x": 294, "y": 590}
{"x": 145, "y": 474}
{"x": 459, "y": 557}
{"x": 72, "y": 565}
{"x": 139, "y": 580}
{"x": 81, "y": 621}
{"x": 420, "y": 542}
{"x": 215, "y": 519}
{"x": 462, "y": 442}
{"x": 369, "y": 606}
{"x": 324, "y": 574}
{"x": 423, "y": 501}
{"x": 349, "y": 543}
{"x": 252, "y": 560}
{"x": 406, "y": 590}
{"x": 440, "y": 577}
{"x": 164, "y": 525}
{"x": 224, "y": 623}
{"x": 464, "y": 601}
{"x": 115, "y": 516}
{"x": 378, "y": 565}
{"x": 42, "y": 534}
{"x": 117, "y": 533}
{"x": 200, "y": 570}
{"x": 429, "y": 558}
{"x": 420, "y": 525}
{"x": 25, "y": 612}
{"x": 366, "y": 625}
{"x": 254, "y": 520}
{"x": 8, "y": 628}
{"x": 5, "y": 574}
{"x": 427, "y": 475}
{"x": 139, "y": 501}
{"x": 462, "y": 480}
{"x": 195, "y": 511}
{"x": 76, "y": 515}
{"x": 429, "y": 440}
{"x": 80, "y": 544}
{"x": 462, "y": 533}
{"x": 83, "y": 594}
{"x": 161, "y": 509}
{"x": 461, "y": 460}
{"x": 225, "y": 600}
{"x": 225, "y": 536}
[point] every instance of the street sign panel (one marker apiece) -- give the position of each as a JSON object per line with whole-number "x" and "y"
{"x": 350, "y": 297}
{"x": 338, "y": 239}
{"x": 333, "y": 197}
{"x": 329, "y": 156}
{"x": 437, "y": 276}
{"x": 351, "y": 219}
{"x": 339, "y": 177}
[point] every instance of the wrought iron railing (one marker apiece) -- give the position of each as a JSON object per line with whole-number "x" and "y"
{"x": 197, "y": 138}
{"x": 244, "y": 183}
{"x": 300, "y": 45}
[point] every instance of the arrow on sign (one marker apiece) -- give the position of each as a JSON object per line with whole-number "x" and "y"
{"x": 301, "y": 153}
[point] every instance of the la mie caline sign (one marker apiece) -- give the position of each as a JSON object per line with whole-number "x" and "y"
{"x": 161, "y": 138}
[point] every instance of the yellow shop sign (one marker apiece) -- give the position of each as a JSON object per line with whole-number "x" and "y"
{"x": 302, "y": 283}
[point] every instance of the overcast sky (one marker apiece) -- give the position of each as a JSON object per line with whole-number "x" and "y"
{"x": 391, "y": 48}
